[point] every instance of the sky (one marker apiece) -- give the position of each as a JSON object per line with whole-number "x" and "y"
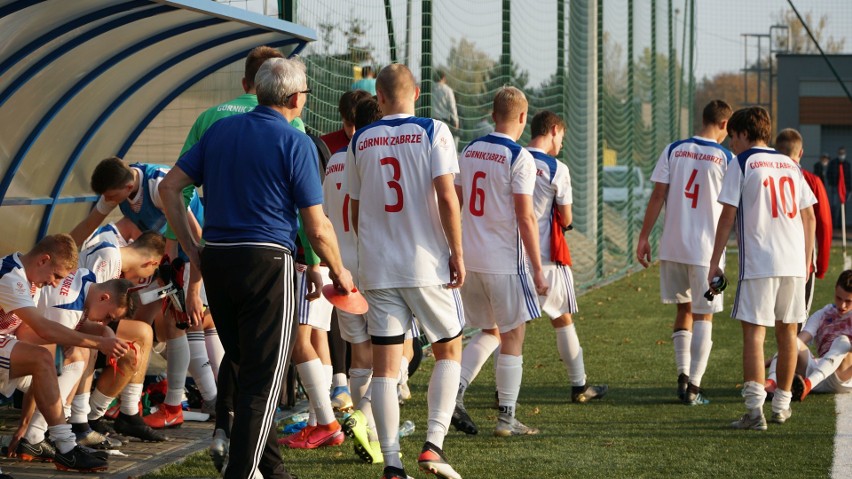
{"x": 719, "y": 27}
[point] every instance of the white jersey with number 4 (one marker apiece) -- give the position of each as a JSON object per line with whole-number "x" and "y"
{"x": 769, "y": 191}
{"x": 552, "y": 187}
{"x": 494, "y": 168}
{"x": 693, "y": 169}
{"x": 390, "y": 167}
{"x": 336, "y": 205}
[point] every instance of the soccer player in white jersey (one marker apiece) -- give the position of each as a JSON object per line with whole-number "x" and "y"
{"x": 136, "y": 262}
{"x": 360, "y": 425}
{"x": 765, "y": 193}
{"x": 553, "y": 195}
{"x": 404, "y": 210}
{"x": 79, "y": 302}
{"x": 495, "y": 188}
{"x": 829, "y": 330}
{"x": 688, "y": 178}
{"x": 21, "y": 277}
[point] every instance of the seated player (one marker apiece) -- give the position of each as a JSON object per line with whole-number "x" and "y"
{"x": 82, "y": 304}
{"x": 21, "y": 277}
{"x": 829, "y": 329}
{"x": 136, "y": 262}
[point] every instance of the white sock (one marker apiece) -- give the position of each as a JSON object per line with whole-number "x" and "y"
{"x": 403, "y": 370}
{"x": 359, "y": 381}
{"x": 772, "y": 367}
{"x": 177, "y": 357}
{"x": 387, "y": 424}
{"x": 314, "y": 381}
{"x": 702, "y": 343}
{"x": 781, "y": 400}
{"x": 682, "y": 340}
{"x": 215, "y": 351}
{"x": 71, "y": 374}
{"x": 338, "y": 380}
{"x": 510, "y": 371}
{"x": 80, "y": 409}
{"x": 830, "y": 361}
{"x": 99, "y": 403}
{"x": 130, "y": 397}
{"x": 365, "y": 405}
{"x": 755, "y": 396}
{"x": 62, "y": 437}
{"x": 441, "y": 399}
{"x": 474, "y": 356}
{"x": 328, "y": 369}
{"x": 568, "y": 345}
{"x": 199, "y": 365}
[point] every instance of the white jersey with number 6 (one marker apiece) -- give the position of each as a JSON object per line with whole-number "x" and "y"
{"x": 693, "y": 169}
{"x": 494, "y": 168}
{"x": 336, "y": 205}
{"x": 390, "y": 167}
{"x": 769, "y": 191}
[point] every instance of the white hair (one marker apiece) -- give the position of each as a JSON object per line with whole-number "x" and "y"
{"x": 279, "y": 78}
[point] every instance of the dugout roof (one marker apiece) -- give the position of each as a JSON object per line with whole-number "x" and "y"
{"x": 80, "y": 80}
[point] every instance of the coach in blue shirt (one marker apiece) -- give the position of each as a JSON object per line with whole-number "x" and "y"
{"x": 256, "y": 171}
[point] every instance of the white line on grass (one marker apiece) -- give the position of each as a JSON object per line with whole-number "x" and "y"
{"x": 842, "y": 468}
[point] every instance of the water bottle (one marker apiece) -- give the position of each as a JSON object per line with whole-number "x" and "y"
{"x": 406, "y": 429}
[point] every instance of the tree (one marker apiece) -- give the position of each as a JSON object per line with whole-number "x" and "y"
{"x": 799, "y": 41}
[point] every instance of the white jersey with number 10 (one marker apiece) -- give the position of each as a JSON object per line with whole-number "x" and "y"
{"x": 769, "y": 191}
{"x": 693, "y": 169}
{"x": 389, "y": 169}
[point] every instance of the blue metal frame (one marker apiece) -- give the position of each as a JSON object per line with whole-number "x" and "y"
{"x": 272, "y": 24}
{"x": 17, "y": 6}
{"x": 78, "y": 22}
{"x": 44, "y": 200}
{"x": 128, "y": 143}
{"x": 18, "y": 159}
{"x": 75, "y": 155}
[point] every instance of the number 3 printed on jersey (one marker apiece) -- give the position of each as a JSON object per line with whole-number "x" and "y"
{"x": 396, "y": 173}
{"x": 784, "y": 184}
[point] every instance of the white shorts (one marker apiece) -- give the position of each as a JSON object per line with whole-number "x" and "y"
{"x": 7, "y": 384}
{"x": 503, "y": 301}
{"x": 764, "y": 301}
{"x": 561, "y": 297}
{"x": 686, "y": 283}
{"x": 438, "y": 310}
{"x": 353, "y": 328}
{"x": 316, "y": 313}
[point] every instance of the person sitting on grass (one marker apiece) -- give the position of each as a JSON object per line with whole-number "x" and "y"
{"x": 829, "y": 329}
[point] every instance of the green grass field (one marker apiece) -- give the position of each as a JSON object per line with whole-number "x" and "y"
{"x": 639, "y": 430}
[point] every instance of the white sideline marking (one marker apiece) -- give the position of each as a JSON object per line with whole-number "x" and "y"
{"x": 842, "y": 467}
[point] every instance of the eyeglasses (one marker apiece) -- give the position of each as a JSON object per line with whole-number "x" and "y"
{"x": 307, "y": 91}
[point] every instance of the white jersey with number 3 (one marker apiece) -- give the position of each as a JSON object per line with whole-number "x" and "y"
{"x": 494, "y": 168}
{"x": 336, "y": 205}
{"x": 769, "y": 191}
{"x": 390, "y": 167}
{"x": 693, "y": 169}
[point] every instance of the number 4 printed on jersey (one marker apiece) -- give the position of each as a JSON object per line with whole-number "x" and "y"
{"x": 691, "y": 185}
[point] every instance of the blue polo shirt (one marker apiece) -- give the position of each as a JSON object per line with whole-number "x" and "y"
{"x": 257, "y": 171}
